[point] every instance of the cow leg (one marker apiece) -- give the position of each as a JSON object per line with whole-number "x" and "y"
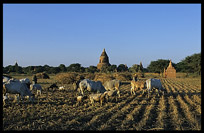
{"x": 80, "y": 90}
{"x": 158, "y": 92}
{"x": 22, "y": 97}
{"x": 142, "y": 91}
{"x": 118, "y": 92}
{"x": 148, "y": 94}
{"x": 101, "y": 101}
{"x": 132, "y": 90}
{"x": 4, "y": 102}
{"x": 17, "y": 98}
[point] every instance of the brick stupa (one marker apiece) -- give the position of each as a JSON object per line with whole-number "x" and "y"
{"x": 104, "y": 60}
{"x": 170, "y": 72}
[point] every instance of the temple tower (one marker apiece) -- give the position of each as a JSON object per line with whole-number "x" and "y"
{"x": 104, "y": 60}
{"x": 170, "y": 72}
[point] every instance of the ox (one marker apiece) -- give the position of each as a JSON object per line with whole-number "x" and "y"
{"x": 5, "y": 79}
{"x": 93, "y": 86}
{"x": 135, "y": 85}
{"x": 154, "y": 83}
{"x": 99, "y": 97}
{"x": 36, "y": 87}
{"x": 26, "y": 81}
{"x": 110, "y": 94}
{"x": 16, "y": 87}
{"x": 113, "y": 85}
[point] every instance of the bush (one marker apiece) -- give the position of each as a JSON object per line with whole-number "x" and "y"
{"x": 42, "y": 76}
{"x": 103, "y": 77}
{"x": 66, "y": 78}
{"x": 123, "y": 76}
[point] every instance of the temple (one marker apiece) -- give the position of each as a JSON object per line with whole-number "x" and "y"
{"x": 170, "y": 72}
{"x": 104, "y": 60}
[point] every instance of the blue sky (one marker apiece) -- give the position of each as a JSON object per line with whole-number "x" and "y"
{"x": 54, "y": 34}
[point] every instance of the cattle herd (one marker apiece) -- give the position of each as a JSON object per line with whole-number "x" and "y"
{"x": 135, "y": 104}
{"x": 99, "y": 92}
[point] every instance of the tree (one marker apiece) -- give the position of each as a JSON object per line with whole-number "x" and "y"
{"x": 122, "y": 68}
{"x": 39, "y": 69}
{"x": 112, "y": 68}
{"x": 191, "y": 64}
{"x": 6, "y": 69}
{"x": 54, "y": 70}
{"x": 104, "y": 69}
{"x": 74, "y": 67}
{"x": 135, "y": 68}
{"x": 159, "y": 65}
{"x": 46, "y": 68}
{"x": 91, "y": 69}
{"x": 62, "y": 68}
{"x": 17, "y": 69}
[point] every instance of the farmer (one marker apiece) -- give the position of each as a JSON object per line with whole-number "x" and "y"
{"x": 34, "y": 79}
{"x": 135, "y": 77}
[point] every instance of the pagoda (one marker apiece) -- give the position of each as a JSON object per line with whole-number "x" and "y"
{"x": 104, "y": 60}
{"x": 170, "y": 72}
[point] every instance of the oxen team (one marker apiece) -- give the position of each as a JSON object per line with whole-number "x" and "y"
{"x": 97, "y": 92}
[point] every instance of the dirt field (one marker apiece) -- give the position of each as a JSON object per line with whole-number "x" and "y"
{"x": 178, "y": 109}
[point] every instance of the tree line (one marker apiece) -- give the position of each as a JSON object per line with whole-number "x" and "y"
{"x": 191, "y": 64}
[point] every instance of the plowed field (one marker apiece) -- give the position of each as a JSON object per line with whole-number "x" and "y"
{"x": 178, "y": 109}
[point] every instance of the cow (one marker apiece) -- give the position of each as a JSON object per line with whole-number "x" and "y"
{"x": 62, "y": 88}
{"x": 113, "y": 85}
{"x": 93, "y": 86}
{"x": 4, "y": 94}
{"x": 5, "y": 79}
{"x": 111, "y": 94}
{"x": 36, "y": 87}
{"x": 136, "y": 85}
{"x": 98, "y": 97}
{"x": 26, "y": 81}
{"x": 154, "y": 83}
{"x": 76, "y": 85}
{"x": 16, "y": 87}
{"x": 52, "y": 86}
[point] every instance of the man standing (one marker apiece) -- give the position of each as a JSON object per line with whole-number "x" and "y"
{"x": 34, "y": 79}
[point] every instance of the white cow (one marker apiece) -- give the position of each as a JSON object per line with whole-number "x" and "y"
{"x": 113, "y": 85}
{"x": 93, "y": 86}
{"x": 16, "y": 87}
{"x": 154, "y": 83}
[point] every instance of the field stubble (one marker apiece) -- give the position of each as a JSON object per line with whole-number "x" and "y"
{"x": 178, "y": 109}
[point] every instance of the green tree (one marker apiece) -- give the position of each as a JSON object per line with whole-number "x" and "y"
{"x": 6, "y": 69}
{"x": 74, "y": 67}
{"x": 46, "y": 68}
{"x": 39, "y": 69}
{"x": 122, "y": 68}
{"x": 135, "y": 68}
{"x": 159, "y": 65}
{"x": 62, "y": 68}
{"x": 91, "y": 69}
{"x": 112, "y": 68}
{"x": 54, "y": 70}
{"x": 104, "y": 69}
{"x": 191, "y": 64}
{"x": 17, "y": 69}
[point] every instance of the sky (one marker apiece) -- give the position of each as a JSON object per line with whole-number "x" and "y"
{"x": 54, "y": 34}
